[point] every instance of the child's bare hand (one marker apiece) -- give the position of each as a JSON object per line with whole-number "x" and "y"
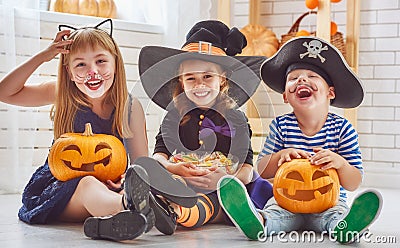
{"x": 57, "y": 46}
{"x": 327, "y": 158}
{"x": 214, "y": 177}
{"x": 117, "y": 185}
{"x": 199, "y": 181}
{"x": 208, "y": 181}
{"x": 288, "y": 154}
{"x": 186, "y": 169}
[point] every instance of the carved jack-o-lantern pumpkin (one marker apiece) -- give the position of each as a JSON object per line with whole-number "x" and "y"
{"x": 100, "y": 155}
{"x": 301, "y": 187}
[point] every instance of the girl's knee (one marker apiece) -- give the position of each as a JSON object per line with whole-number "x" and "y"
{"x": 89, "y": 181}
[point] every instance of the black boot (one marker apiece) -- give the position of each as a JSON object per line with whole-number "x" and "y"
{"x": 137, "y": 193}
{"x": 165, "y": 215}
{"x": 124, "y": 225}
{"x": 137, "y": 218}
{"x": 163, "y": 183}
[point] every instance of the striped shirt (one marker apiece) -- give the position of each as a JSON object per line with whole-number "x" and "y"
{"x": 337, "y": 134}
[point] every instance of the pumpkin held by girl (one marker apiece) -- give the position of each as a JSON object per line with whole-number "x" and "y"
{"x": 100, "y": 155}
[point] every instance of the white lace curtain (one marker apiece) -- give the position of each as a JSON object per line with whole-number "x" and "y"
{"x": 20, "y": 23}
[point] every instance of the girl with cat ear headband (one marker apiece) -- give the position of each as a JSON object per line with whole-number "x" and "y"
{"x": 91, "y": 88}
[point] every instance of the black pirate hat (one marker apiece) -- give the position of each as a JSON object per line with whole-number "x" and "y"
{"x": 318, "y": 55}
{"x": 210, "y": 41}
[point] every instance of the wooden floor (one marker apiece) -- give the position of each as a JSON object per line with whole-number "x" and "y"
{"x": 385, "y": 232}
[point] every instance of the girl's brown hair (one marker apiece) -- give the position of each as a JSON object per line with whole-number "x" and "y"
{"x": 69, "y": 98}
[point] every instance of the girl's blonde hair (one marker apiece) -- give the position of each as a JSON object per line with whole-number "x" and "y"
{"x": 184, "y": 105}
{"x": 69, "y": 98}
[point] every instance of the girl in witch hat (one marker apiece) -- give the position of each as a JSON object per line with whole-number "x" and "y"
{"x": 201, "y": 86}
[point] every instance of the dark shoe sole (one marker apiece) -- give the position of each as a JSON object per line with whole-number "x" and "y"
{"x": 125, "y": 225}
{"x": 162, "y": 183}
{"x": 165, "y": 221}
{"x": 137, "y": 191}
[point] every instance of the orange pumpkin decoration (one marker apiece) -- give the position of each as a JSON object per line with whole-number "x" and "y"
{"x": 333, "y": 28}
{"x": 99, "y": 155}
{"x": 301, "y": 187}
{"x": 260, "y": 41}
{"x": 100, "y": 8}
{"x": 311, "y": 4}
{"x": 302, "y": 33}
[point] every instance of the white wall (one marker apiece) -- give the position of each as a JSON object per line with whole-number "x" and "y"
{"x": 379, "y": 69}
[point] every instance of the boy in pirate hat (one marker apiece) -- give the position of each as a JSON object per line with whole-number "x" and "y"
{"x": 202, "y": 86}
{"x": 312, "y": 75}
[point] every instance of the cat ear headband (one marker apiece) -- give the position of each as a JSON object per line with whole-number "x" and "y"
{"x": 64, "y": 26}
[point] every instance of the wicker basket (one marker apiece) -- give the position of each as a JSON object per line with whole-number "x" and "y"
{"x": 336, "y": 39}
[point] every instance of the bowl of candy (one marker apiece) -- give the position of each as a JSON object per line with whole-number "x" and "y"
{"x": 208, "y": 160}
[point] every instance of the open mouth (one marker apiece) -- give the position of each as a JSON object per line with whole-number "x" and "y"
{"x": 201, "y": 93}
{"x": 303, "y": 92}
{"x": 306, "y": 195}
{"x": 89, "y": 167}
{"x": 94, "y": 84}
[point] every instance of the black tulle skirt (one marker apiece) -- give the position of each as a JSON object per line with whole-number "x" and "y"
{"x": 44, "y": 197}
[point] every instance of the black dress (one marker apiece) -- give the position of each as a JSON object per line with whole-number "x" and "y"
{"x": 44, "y": 197}
{"x": 175, "y": 138}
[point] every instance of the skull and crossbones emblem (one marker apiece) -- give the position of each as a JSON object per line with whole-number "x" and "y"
{"x": 314, "y": 48}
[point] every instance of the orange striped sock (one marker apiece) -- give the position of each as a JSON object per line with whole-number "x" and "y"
{"x": 197, "y": 215}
